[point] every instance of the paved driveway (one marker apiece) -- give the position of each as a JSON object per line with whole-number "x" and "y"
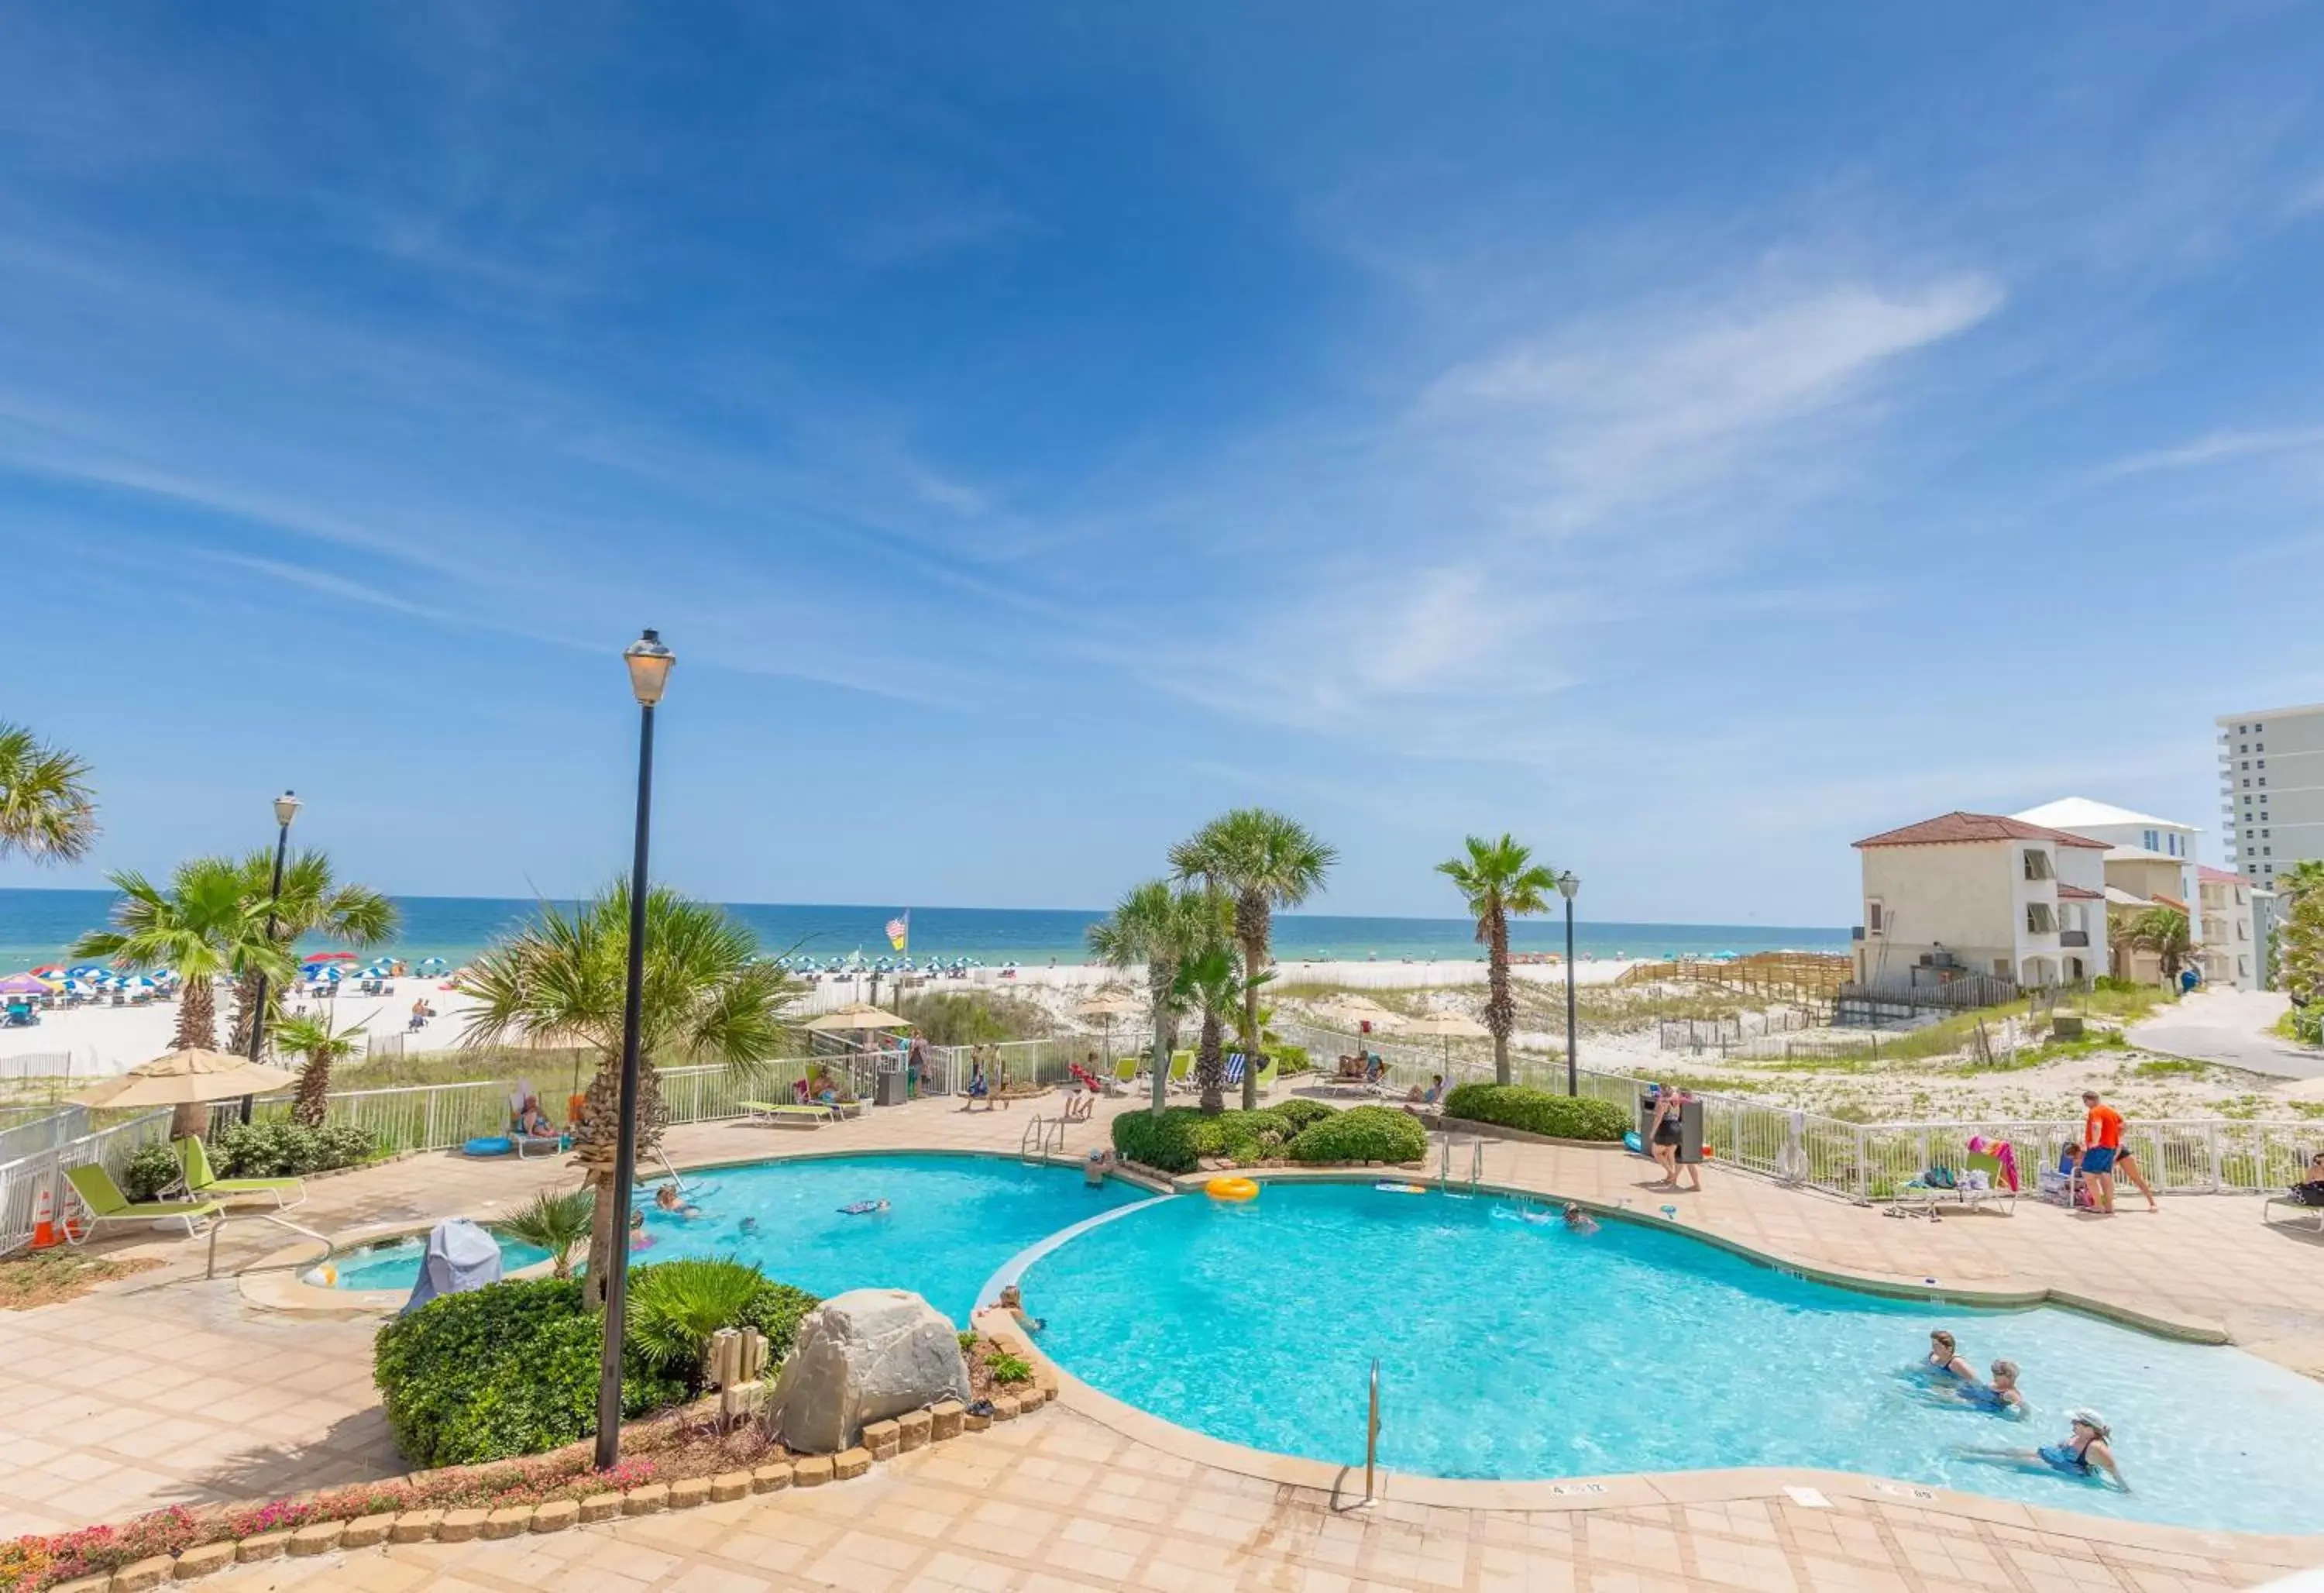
{"x": 2229, "y": 1026}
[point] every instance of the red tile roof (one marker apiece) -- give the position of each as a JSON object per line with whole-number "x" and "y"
{"x": 2220, "y": 876}
{"x": 2067, "y": 892}
{"x": 1954, "y": 826}
{"x": 2172, "y": 901}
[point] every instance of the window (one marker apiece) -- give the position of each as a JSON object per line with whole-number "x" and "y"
{"x": 2262, "y": 780}
{"x": 2247, "y": 762}
{"x": 2154, "y": 846}
{"x": 2037, "y": 864}
{"x": 1873, "y": 923}
{"x": 2040, "y": 920}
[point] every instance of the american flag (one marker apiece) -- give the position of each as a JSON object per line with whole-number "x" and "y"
{"x": 899, "y": 929}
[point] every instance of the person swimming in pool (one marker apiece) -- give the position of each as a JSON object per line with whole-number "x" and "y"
{"x": 1945, "y": 1358}
{"x": 668, "y": 1198}
{"x": 2085, "y": 1454}
{"x": 748, "y": 1227}
{"x": 863, "y": 1207}
{"x": 1578, "y": 1221}
{"x": 639, "y": 1238}
{"x": 1013, "y": 1301}
{"x": 1999, "y": 1397}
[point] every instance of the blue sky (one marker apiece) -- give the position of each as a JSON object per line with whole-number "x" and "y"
{"x": 1692, "y": 437}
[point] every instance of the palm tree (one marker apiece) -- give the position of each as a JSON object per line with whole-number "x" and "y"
{"x": 554, "y": 1222}
{"x": 313, "y": 902}
{"x": 1261, "y": 860}
{"x": 199, "y": 927}
{"x": 2299, "y": 878}
{"x": 312, "y": 1040}
{"x": 562, "y": 979}
{"x": 1209, "y": 982}
{"x": 1499, "y": 878}
{"x": 47, "y": 810}
{"x": 1158, "y": 927}
{"x": 2163, "y": 931}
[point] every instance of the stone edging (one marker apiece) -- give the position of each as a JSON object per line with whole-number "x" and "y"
{"x": 881, "y": 1440}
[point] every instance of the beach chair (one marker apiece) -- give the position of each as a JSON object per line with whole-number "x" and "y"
{"x": 1266, "y": 1076}
{"x": 1182, "y": 1070}
{"x": 202, "y": 1184}
{"x": 529, "y": 1144}
{"x": 812, "y": 1114}
{"x": 21, "y": 1016}
{"x": 1940, "y": 1183}
{"x": 1125, "y": 1075}
{"x": 101, "y": 1199}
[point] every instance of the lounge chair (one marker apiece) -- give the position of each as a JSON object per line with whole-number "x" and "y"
{"x": 1266, "y": 1077}
{"x": 1237, "y": 1064}
{"x": 814, "y": 1113}
{"x": 1182, "y": 1070}
{"x": 528, "y": 1144}
{"x": 2314, "y": 1214}
{"x": 203, "y": 1184}
{"x": 1125, "y": 1075}
{"x": 1939, "y": 1183}
{"x": 105, "y": 1202}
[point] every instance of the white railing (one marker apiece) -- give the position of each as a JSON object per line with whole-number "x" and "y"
{"x": 35, "y": 1129}
{"x": 22, "y": 1179}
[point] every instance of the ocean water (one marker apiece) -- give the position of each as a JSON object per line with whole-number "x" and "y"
{"x": 1510, "y": 1348}
{"x": 36, "y": 926}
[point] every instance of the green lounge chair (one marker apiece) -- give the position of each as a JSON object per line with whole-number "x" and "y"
{"x": 105, "y": 1202}
{"x": 814, "y": 1114}
{"x": 1125, "y": 1073}
{"x": 206, "y": 1185}
{"x": 1266, "y": 1080}
{"x": 1181, "y": 1069}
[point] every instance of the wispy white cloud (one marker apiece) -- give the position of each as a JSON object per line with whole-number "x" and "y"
{"x": 2218, "y": 447}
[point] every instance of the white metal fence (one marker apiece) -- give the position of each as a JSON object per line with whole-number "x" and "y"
{"x": 22, "y": 1179}
{"x": 26, "y": 1131}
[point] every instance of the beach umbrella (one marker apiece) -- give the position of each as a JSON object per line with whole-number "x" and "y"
{"x": 186, "y": 1079}
{"x": 1108, "y": 1005}
{"x": 1361, "y": 1010}
{"x": 856, "y": 1016}
{"x": 1452, "y": 1026}
{"x": 53, "y": 970}
{"x": 335, "y": 957}
{"x": 90, "y": 970}
{"x": 432, "y": 965}
{"x": 323, "y": 974}
{"x": 23, "y": 985}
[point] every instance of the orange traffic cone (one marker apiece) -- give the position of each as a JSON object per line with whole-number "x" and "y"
{"x": 44, "y": 1225}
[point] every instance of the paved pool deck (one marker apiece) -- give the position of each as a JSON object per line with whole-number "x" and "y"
{"x": 166, "y": 1388}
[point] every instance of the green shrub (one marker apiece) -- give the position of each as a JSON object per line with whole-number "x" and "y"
{"x": 1537, "y": 1111}
{"x": 1164, "y": 1140}
{"x": 509, "y": 1369}
{"x": 1232, "y": 1132}
{"x": 279, "y": 1149}
{"x": 1362, "y": 1134}
{"x": 1009, "y": 1368}
{"x": 1300, "y": 1112}
{"x": 149, "y": 1172}
{"x": 1290, "y": 1058}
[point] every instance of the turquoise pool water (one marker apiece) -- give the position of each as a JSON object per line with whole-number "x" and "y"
{"x": 951, "y": 1220}
{"x": 396, "y": 1263}
{"x": 1513, "y": 1350}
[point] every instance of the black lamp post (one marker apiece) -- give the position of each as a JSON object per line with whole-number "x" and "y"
{"x": 648, "y": 662}
{"x": 1567, "y": 884}
{"x": 285, "y": 808}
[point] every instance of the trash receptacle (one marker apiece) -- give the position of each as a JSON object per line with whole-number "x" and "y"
{"x": 892, "y": 1088}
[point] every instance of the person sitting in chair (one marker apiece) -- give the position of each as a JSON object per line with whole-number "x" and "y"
{"x": 532, "y": 1122}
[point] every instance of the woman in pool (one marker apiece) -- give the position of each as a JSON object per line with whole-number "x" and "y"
{"x": 668, "y": 1198}
{"x": 1945, "y": 1359}
{"x": 1013, "y": 1301}
{"x": 1579, "y": 1221}
{"x": 2084, "y": 1454}
{"x": 1999, "y": 1397}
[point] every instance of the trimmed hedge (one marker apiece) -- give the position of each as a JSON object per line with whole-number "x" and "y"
{"x": 1537, "y": 1111}
{"x": 281, "y": 1150}
{"x": 1302, "y": 1113}
{"x": 1179, "y": 1140}
{"x": 1363, "y": 1134}
{"x": 512, "y": 1368}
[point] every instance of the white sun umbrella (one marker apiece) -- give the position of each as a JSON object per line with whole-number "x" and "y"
{"x": 1452, "y": 1026}
{"x": 1108, "y": 1006}
{"x": 185, "y": 1079}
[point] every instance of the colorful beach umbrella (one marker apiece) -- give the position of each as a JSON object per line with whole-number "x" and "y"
{"x": 23, "y": 985}
{"x": 323, "y": 974}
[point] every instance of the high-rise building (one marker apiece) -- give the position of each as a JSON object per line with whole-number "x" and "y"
{"x": 2272, "y": 788}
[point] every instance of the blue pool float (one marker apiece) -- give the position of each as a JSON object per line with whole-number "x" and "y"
{"x": 1631, "y": 1142}
{"x": 489, "y": 1144}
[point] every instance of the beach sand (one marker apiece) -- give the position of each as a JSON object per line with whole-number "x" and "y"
{"x": 101, "y": 1041}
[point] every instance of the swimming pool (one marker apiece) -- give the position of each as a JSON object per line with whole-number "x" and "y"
{"x": 395, "y": 1263}
{"x": 951, "y": 1220}
{"x": 1514, "y": 1349}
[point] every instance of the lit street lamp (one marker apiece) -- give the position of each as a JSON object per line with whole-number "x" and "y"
{"x": 648, "y": 662}
{"x": 285, "y": 808}
{"x": 1568, "y": 884}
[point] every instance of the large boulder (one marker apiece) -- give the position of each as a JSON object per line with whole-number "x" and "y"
{"x": 864, "y": 1356}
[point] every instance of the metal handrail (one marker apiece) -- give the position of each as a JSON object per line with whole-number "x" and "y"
{"x": 330, "y": 1246}
{"x": 1372, "y": 1434}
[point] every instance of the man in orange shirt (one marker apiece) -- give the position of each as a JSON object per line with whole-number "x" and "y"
{"x": 2102, "y": 1154}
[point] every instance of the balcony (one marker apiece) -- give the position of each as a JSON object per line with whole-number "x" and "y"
{"x": 2074, "y": 938}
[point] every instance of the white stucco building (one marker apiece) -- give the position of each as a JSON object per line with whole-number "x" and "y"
{"x": 2233, "y": 955}
{"x": 2150, "y": 861}
{"x": 2272, "y": 787}
{"x": 1981, "y": 893}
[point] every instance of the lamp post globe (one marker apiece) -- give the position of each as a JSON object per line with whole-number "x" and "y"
{"x": 648, "y": 662}
{"x": 1568, "y": 885}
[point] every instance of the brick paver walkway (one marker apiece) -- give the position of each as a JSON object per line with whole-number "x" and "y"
{"x": 165, "y": 1388}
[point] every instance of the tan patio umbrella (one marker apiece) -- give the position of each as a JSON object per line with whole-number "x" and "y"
{"x": 1359, "y": 1010}
{"x": 1452, "y": 1026}
{"x": 1109, "y": 1007}
{"x": 186, "y": 1078}
{"x": 856, "y": 1016}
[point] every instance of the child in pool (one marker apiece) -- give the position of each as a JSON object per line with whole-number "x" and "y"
{"x": 1013, "y": 1301}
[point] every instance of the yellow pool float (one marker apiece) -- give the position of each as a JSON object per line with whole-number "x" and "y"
{"x": 1232, "y": 1188}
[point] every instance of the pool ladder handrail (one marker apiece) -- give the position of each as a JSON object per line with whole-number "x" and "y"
{"x": 1033, "y": 1145}
{"x": 1372, "y": 1434}
{"x": 330, "y": 1246}
{"x": 1476, "y": 1163}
